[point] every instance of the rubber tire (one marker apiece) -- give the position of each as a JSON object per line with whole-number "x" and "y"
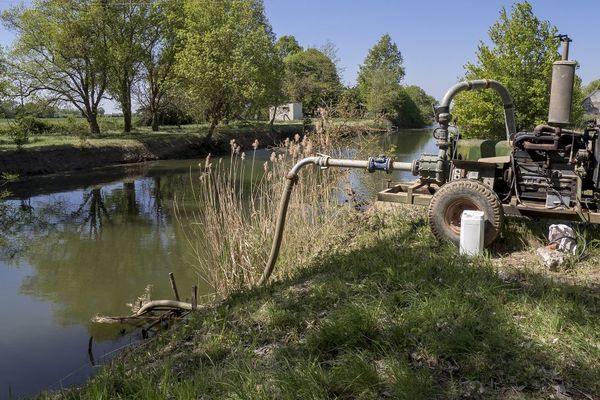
{"x": 468, "y": 191}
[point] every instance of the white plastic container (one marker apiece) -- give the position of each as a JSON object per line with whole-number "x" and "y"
{"x": 472, "y": 225}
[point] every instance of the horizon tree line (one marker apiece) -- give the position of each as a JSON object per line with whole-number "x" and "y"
{"x": 210, "y": 61}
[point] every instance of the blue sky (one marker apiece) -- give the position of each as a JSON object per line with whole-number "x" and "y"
{"x": 436, "y": 38}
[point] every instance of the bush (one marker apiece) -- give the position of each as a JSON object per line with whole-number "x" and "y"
{"x": 32, "y": 126}
{"x": 19, "y": 136}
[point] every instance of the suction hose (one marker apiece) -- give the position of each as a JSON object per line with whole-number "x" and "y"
{"x": 372, "y": 164}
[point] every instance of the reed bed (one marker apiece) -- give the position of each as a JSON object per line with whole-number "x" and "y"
{"x": 236, "y": 204}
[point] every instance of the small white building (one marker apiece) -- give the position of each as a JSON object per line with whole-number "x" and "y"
{"x": 591, "y": 104}
{"x": 287, "y": 112}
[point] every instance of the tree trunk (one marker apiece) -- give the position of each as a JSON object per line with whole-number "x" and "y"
{"x": 92, "y": 119}
{"x": 211, "y": 130}
{"x": 126, "y": 105}
{"x": 127, "y": 120}
{"x": 272, "y": 121}
{"x": 154, "y": 121}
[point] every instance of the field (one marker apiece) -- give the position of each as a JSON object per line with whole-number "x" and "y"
{"x": 73, "y": 132}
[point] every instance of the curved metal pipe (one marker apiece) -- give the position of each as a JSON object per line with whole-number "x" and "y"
{"x": 171, "y": 304}
{"x": 292, "y": 178}
{"x": 479, "y": 84}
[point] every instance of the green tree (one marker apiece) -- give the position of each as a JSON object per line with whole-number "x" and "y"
{"x": 227, "y": 61}
{"x": 128, "y": 27}
{"x": 593, "y": 85}
{"x": 158, "y": 60}
{"x": 380, "y": 75}
{"x": 349, "y": 103}
{"x": 61, "y": 50}
{"x": 521, "y": 56}
{"x": 423, "y": 102}
{"x": 311, "y": 78}
{"x": 287, "y": 45}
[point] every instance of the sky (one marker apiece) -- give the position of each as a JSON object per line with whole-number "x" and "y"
{"x": 436, "y": 38}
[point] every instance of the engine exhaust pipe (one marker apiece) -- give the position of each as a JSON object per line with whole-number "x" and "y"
{"x": 561, "y": 90}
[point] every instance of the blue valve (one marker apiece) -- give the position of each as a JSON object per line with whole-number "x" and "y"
{"x": 380, "y": 163}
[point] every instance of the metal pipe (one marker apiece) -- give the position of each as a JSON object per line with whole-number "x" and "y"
{"x": 170, "y": 304}
{"x": 479, "y": 84}
{"x": 292, "y": 178}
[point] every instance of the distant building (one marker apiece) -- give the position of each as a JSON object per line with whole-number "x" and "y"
{"x": 591, "y": 104}
{"x": 287, "y": 112}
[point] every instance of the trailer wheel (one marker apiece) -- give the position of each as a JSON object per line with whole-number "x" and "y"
{"x": 448, "y": 203}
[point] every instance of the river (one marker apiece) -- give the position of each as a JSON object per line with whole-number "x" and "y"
{"x": 81, "y": 244}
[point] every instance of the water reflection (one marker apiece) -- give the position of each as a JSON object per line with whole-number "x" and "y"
{"x": 85, "y": 244}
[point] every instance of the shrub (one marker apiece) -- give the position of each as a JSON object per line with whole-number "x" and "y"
{"x": 20, "y": 136}
{"x": 32, "y": 126}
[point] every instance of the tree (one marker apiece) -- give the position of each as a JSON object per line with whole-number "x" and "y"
{"x": 4, "y": 79}
{"x": 521, "y": 56}
{"x": 349, "y": 103}
{"x": 287, "y": 45}
{"x": 593, "y": 85}
{"x": 331, "y": 51}
{"x": 61, "y": 50}
{"x": 405, "y": 112}
{"x": 127, "y": 26}
{"x": 311, "y": 78}
{"x": 158, "y": 60}
{"x": 423, "y": 102}
{"x": 380, "y": 75}
{"x": 227, "y": 61}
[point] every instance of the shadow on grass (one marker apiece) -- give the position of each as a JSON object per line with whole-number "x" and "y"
{"x": 394, "y": 315}
{"x": 432, "y": 323}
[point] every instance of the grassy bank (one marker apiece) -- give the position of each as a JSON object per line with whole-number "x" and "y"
{"x": 387, "y": 312}
{"x": 115, "y": 136}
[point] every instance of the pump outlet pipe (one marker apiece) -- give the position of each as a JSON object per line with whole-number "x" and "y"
{"x": 443, "y": 111}
{"x": 372, "y": 164}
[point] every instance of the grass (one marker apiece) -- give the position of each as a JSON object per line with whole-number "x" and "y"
{"x": 235, "y": 208}
{"x": 113, "y": 135}
{"x": 387, "y": 312}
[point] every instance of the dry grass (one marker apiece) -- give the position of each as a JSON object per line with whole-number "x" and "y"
{"x": 237, "y": 203}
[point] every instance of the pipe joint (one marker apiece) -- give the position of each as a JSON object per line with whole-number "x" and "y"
{"x": 380, "y": 163}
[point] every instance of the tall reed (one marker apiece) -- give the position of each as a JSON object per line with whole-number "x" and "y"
{"x": 233, "y": 223}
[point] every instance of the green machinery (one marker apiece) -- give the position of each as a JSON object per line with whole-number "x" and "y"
{"x": 550, "y": 172}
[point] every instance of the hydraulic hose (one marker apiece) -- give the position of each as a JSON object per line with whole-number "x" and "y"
{"x": 292, "y": 178}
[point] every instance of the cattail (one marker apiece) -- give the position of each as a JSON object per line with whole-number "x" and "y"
{"x": 207, "y": 163}
{"x": 232, "y": 145}
{"x": 255, "y": 144}
{"x": 273, "y": 157}
{"x": 243, "y": 156}
{"x": 295, "y": 150}
{"x": 280, "y": 157}
{"x": 266, "y": 166}
{"x": 308, "y": 149}
{"x": 286, "y": 142}
{"x": 297, "y": 137}
{"x": 238, "y": 148}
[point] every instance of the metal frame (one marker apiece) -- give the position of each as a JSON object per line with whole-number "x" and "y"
{"x": 420, "y": 194}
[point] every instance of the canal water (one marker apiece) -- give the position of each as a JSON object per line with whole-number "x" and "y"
{"x": 82, "y": 244}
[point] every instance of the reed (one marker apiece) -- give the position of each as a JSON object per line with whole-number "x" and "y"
{"x": 236, "y": 204}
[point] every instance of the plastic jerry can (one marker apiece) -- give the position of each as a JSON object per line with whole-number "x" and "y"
{"x": 472, "y": 225}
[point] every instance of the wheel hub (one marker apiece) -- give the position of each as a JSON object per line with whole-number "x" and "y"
{"x": 453, "y": 213}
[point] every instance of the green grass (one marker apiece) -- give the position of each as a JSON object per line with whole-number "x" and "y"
{"x": 389, "y": 314}
{"x": 115, "y": 137}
